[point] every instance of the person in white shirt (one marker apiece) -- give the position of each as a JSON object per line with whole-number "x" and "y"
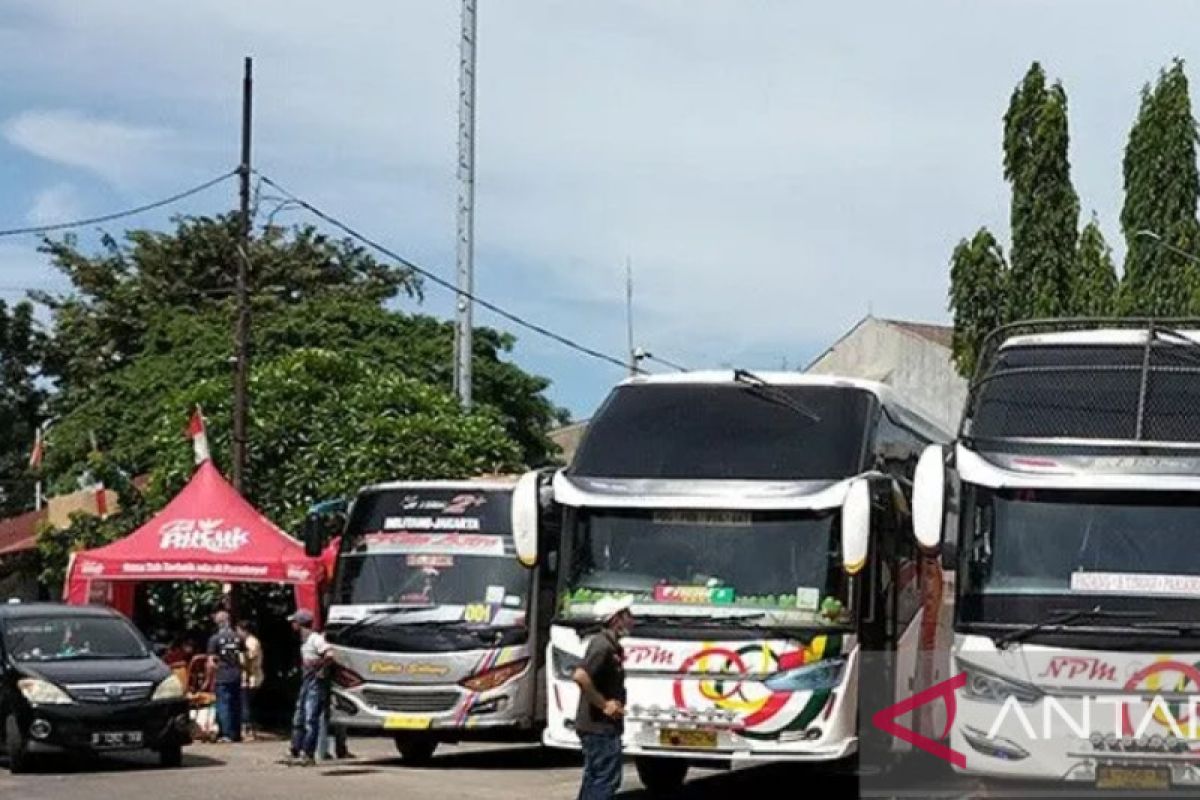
{"x": 315, "y": 658}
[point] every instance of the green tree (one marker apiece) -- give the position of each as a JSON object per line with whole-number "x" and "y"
{"x": 978, "y": 291}
{"x": 102, "y": 322}
{"x": 21, "y": 403}
{"x": 1045, "y": 208}
{"x": 139, "y": 300}
{"x": 324, "y": 424}
{"x": 1094, "y": 288}
{"x": 1161, "y": 190}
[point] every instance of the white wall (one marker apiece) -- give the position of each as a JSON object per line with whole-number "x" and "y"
{"x": 918, "y": 369}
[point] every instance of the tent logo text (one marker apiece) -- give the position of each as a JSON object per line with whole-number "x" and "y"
{"x": 202, "y": 534}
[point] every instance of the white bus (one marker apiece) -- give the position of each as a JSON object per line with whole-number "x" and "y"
{"x": 1077, "y": 539}
{"x": 761, "y": 526}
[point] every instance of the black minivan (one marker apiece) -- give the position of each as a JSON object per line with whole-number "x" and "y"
{"x": 82, "y": 678}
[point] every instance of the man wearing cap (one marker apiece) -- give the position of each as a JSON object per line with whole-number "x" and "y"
{"x": 315, "y": 659}
{"x": 598, "y": 721}
{"x": 225, "y": 664}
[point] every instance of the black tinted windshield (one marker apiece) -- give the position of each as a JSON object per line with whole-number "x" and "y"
{"x": 1029, "y": 542}
{"x": 1090, "y": 392}
{"x": 726, "y": 431}
{"x": 31, "y": 639}
{"x": 777, "y": 561}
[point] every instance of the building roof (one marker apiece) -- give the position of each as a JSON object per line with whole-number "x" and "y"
{"x": 19, "y": 533}
{"x": 938, "y": 334}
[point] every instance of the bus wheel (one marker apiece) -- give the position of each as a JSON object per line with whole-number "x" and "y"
{"x": 415, "y": 750}
{"x": 661, "y": 776}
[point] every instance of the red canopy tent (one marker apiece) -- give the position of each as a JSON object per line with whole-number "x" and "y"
{"x": 208, "y": 532}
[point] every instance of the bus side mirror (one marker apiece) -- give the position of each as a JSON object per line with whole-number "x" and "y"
{"x": 526, "y": 513}
{"x": 856, "y": 526}
{"x": 312, "y": 536}
{"x": 929, "y": 498}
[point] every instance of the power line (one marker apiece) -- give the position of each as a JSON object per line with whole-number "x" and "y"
{"x": 664, "y": 362}
{"x": 80, "y": 223}
{"x": 445, "y": 284}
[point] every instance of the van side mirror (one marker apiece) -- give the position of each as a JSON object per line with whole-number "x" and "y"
{"x": 856, "y": 525}
{"x": 929, "y": 498}
{"x": 526, "y": 514}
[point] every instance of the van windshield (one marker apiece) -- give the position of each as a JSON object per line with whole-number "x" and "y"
{"x": 39, "y": 639}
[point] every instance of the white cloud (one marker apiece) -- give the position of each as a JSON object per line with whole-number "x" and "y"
{"x": 116, "y": 151}
{"x": 54, "y": 204}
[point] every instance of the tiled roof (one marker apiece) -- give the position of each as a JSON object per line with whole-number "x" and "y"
{"x": 18, "y": 534}
{"x": 938, "y": 334}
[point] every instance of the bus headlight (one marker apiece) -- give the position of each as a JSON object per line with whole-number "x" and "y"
{"x": 818, "y": 677}
{"x": 563, "y": 663}
{"x": 983, "y": 685}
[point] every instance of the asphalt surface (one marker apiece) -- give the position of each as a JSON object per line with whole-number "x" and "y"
{"x": 251, "y": 771}
{"x": 496, "y": 772}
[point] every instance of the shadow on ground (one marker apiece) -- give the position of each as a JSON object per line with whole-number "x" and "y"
{"x": 77, "y": 763}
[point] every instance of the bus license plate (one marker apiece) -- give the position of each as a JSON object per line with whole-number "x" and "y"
{"x": 406, "y": 722}
{"x": 1133, "y": 778}
{"x": 673, "y": 737}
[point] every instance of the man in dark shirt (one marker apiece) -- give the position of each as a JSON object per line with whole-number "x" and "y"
{"x": 225, "y": 659}
{"x": 598, "y": 721}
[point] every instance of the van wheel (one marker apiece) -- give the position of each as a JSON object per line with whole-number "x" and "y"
{"x": 170, "y": 756}
{"x": 16, "y": 746}
{"x": 661, "y": 776}
{"x": 415, "y": 751}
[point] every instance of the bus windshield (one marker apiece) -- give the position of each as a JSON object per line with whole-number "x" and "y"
{"x": 446, "y": 554}
{"x": 687, "y": 562}
{"x": 726, "y": 432}
{"x": 1039, "y": 542}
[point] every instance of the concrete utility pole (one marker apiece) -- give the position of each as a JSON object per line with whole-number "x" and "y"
{"x": 466, "y": 205}
{"x": 241, "y": 398}
{"x": 633, "y": 358}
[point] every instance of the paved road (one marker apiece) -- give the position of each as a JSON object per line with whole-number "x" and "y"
{"x": 466, "y": 772}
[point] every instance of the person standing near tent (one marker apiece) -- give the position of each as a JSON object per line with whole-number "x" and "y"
{"x": 252, "y": 675}
{"x": 225, "y": 660}
{"x": 315, "y": 658}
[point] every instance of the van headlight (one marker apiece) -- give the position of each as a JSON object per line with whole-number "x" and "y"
{"x": 169, "y": 689}
{"x": 564, "y": 664}
{"x": 43, "y": 693}
{"x": 818, "y": 677}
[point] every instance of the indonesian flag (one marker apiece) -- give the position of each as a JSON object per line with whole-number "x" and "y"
{"x": 39, "y": 450}
{"x": 199, "y": 436}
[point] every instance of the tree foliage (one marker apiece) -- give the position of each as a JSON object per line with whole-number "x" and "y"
{"x": 1094, "y": 288}
{"x": 21, "y": 402}
{"x": 178, "y": 340}
{"x": 978, "y": 290}
{"x": 1045, "y": 208}
{"x": 1161, "y": 189}
{"x": 346, "y": 387}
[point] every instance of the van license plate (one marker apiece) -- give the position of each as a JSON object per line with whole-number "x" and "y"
{"x": 674, "y": 737}
{"x": 406, "y": 722}
{"x": 1133, "y": 778}
{"x": 116, "y": 740}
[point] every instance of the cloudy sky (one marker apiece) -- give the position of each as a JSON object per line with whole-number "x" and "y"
{"x": 773, "y": 169}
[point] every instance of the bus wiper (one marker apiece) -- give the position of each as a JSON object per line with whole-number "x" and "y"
{"x": 373, "y": 618}
{"x": 706, "y": 622}
{"x": 1065, "y": 617}
{"x": 771, "y": 393}
{"x": 1170, "y": 625}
